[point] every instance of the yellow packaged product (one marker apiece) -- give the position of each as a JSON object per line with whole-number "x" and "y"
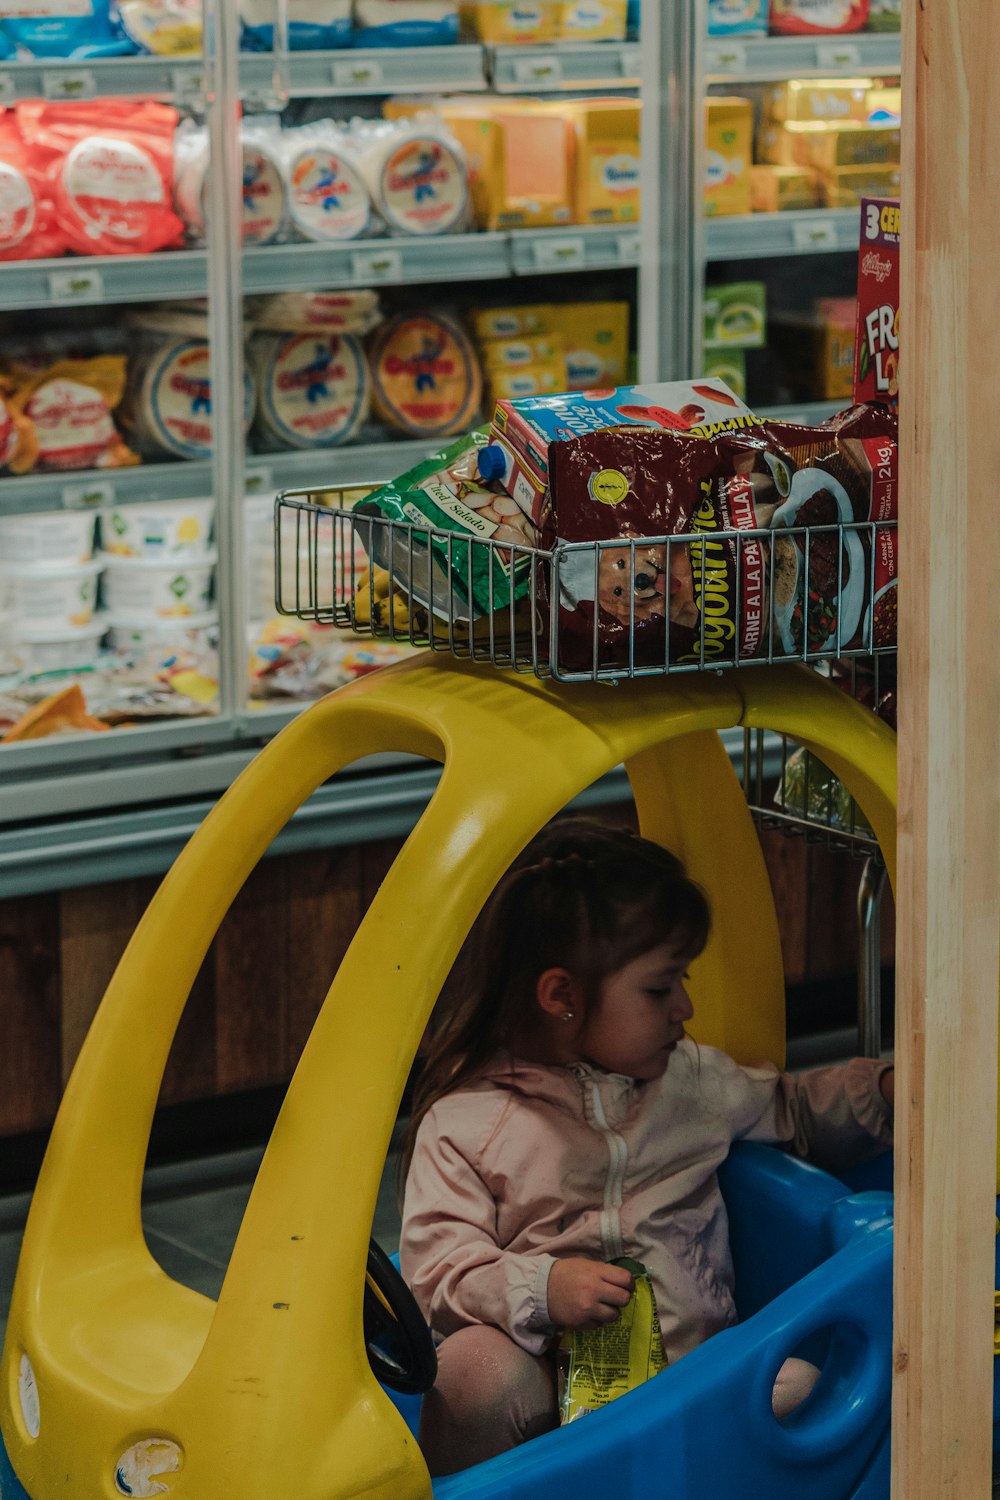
{"x": 511, "y": 21}
{"x": 777, "y": 189}
{"x": 845, "y": 187}
{"x": 598, "y": 1365}
{"x": 885, "y": 106}
{"x": 69, "y": 408}
{"x": 544, "y": 379}
{"x": 776, "y": 145}
{"x": 514, "y": 322}
{"x": 595, "y": 335}
{"x": 833, "y": 99}
{"x": 817, "y": 348}
{"x": 606, "y": 174}
{"x": 426, "y": 379}
{"x": 592, "y": 20}
{"x": 518, "y": 354}
{"x": 825, "y": 147}
{"x": 728, "y": 155}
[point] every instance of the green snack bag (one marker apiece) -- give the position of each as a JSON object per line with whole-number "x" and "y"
{"x": 445, "y": 573}
{"x": 598, "y": 1365}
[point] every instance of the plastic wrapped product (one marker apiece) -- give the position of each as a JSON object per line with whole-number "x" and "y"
{"x": 263, "y": 180}
{"x": 161, "y": 28}
{"x": 592, "y": 20}
{"x": 52, "y": 28}
{"x": 426, "y": 377}
{"x": 405, "y": 23}
{"x": 171, "y": 406}
{"x": 314, "y": 389}
{"x": 27, "y": 218}
{"x": 511, "y": 21}
{"x": 313, "y": 25}
{"x": 328, "y": 196}
{"x": 596, "y": 1365}
{"x": 68, "y": 408}
{"x": 417, "y": 175}
{"x": 812, "y": 17}
{"x": 737, "y": 17}
{"x": 316, "y": 312}
{"x": 110, "y": 166}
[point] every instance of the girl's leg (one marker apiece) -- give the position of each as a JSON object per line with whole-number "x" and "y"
{"x": 795, "y": 1381}
{"x": 490, "y": 1395}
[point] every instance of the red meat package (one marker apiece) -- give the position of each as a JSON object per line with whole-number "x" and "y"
{"x": 27, "y": 219}
{"x": 818, "y": 17}
{"x": 109, "y": 167}
{"x": 744, "y": 578}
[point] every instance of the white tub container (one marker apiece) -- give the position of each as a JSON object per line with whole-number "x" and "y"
{"x": 172, "y": 528}
{"x": 151, "y": 586}
{"x": 64, "y": 650}
{"x": 47, "y": 538}
{"x": 51, "y": 598}
{"x": 132, "y": 632}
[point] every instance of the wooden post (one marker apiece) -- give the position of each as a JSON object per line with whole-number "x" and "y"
{"x": 949, "y": 749}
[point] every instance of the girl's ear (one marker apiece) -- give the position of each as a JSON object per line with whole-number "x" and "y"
{"x": 558, "y": 994}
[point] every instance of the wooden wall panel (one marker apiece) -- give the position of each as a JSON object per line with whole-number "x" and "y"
{"x": 30, "y": 1080}
{"x": 326, "y": 904}
{"x": 252, "y": 983}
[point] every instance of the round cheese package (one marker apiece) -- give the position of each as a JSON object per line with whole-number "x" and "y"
{"x": 27, "y": 218}
{"x": 69, "y": 408}
{"x": 426, "y": 377}
{"x": 314, "y": 389}
{"x": 817, "y": 17}
{"x": 172, "y": 400}
{"x": 313, "y": 25}
{"x": 263, "y": 181}
{"x": 356, "y": 312}
{"x": 52, "y": 28}
{"x": 328, "y": 198}
{"x": 417, "y": 174}
{"x": 160, "y": 28}
{"x": 110, "y": 166}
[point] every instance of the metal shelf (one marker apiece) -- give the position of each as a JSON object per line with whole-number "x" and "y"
{"x": 762, "y": 236}
{"x": 763, "y": 59}
{"x": 98, "y": 487}
{"x": 613, "y": 65}
{"x": 578, "y": 247}
{"x": 375, "y": 70}
{"x": 92, "y": 281}
{"x": 808, "y": 413}
{"x": 61, "y": 78}
{"x": 383, "y": 262}
{"x": 336, "y": 468}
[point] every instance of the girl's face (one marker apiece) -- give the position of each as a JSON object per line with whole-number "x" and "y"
{"x": 640, "y": 1015}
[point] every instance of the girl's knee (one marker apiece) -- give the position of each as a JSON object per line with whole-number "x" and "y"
{"x": 794, "y": 1383}
{"x": 489, "y": 1396}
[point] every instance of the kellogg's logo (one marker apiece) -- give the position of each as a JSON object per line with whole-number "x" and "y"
{"x": 875, "y": 268}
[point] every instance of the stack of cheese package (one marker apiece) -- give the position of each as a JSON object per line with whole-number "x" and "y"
{"x": 534, "y": 163}
{"x": 547, "y": 348}
{"x": 821, "y": 143}
{"x": 511, "y": 22}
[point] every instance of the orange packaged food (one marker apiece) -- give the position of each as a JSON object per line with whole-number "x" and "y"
{"x": 27, "y": 219}
{"x": 109, "y": 166}
{"x": 64, "y": 415}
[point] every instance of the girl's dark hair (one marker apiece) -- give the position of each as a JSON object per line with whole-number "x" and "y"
{"x": 583, "y": 896}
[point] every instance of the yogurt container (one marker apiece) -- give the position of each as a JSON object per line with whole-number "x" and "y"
{"x": 171, "y": 528}
{"x": 50, "y": 538}
{"x": 151, "y": 586}
{"x": 51, "y": 598}
{"x": 315, "y": 389}
{"x": 328, "y": 198}
{"x": 137, "y": 632}
{"x": 65, "y": 649}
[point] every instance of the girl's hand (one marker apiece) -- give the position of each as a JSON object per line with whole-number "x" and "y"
{"x": 587, "y": 1293}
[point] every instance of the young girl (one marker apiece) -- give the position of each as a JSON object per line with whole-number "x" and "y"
{"x": 564, "y": 1119}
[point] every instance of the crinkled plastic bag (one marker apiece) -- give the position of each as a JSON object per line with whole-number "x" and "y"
{"x": 600, "y": 1364}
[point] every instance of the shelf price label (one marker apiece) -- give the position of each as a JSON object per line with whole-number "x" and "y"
{"x": 538, "y": 70}
{"x": 85, "y": 284}
{"x": 630, "y": 62}
{"x": 357, "y": 74}
{"x": 820, "y": 234}
{"x": 629, "y": 248}
{"x": 377, "y": 265}
{"x": 567, "y": 252}
{"x": 726, "y": 57}
{"x": 188, "y": 83}
{"x": 8, "y": 88}
{"x": 76, "y": 83}
{"x": 88, "y": 496}
{"x": 258, "y": 481}
{"x": 831, "y": 56}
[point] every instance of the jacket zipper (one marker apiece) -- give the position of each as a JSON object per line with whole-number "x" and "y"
{"x": 611, "y": 1219}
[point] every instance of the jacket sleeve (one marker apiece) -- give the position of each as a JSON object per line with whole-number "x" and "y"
{"x": 835, "y": 1116}
{"x": 449, "y": 1252}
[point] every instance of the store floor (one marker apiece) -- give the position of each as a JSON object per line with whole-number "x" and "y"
{"x": 191, "y": 1213}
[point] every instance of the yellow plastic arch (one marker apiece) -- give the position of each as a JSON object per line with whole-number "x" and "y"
{"x": 269, "y": 1390}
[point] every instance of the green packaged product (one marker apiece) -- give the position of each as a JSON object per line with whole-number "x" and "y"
{"x": 808, "y": 789}
{"x": 736, "y": 315}
{"x": 597, "y": 1365}
{"x": 449, "y": 506}
{"x": 886, "y": 15}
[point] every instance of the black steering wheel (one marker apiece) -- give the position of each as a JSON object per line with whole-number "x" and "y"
{"x": 399, "y": 1343}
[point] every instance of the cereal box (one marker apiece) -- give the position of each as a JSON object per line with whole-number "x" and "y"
{"x": 876, "y": 376}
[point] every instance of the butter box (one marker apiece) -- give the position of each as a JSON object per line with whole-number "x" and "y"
{"x": 595, "y": 335}
{"x": 834, "y": 99}
{"x": 845, "y": 187}
{"x": 519, "y": 353}
{"x": 728, "y": 154}
{"x": 885, "y": 106}
{"x": 511, "y": 21}
{"x": 592, "y": 20}
{"x": 513, "y": 322}
{"x": 826, "y": 146}
{"x": 605, "y": 163}
{"x": 735, "y": 316}
{"x": 546, "y": 378}
{"x": 776, "y": 146}
{"x": 737, "y": 17}
{"x": 774, "y": 189}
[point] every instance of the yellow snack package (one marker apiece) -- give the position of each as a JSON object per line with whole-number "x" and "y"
{"x": 599, "y": 1365}
{"x": 69, "y": 407}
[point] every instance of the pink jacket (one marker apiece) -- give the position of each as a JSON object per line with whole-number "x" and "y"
{"x": 530, "y": 1163}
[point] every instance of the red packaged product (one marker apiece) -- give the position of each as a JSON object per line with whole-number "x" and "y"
{"x": 876, "y": 350}
{"x": 818, "y": 17}
{"x": 109, "y": 165}
{"x": 27, "y": 219}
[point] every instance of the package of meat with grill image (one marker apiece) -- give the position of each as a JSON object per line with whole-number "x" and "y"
{"x": 700, "y": 558}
